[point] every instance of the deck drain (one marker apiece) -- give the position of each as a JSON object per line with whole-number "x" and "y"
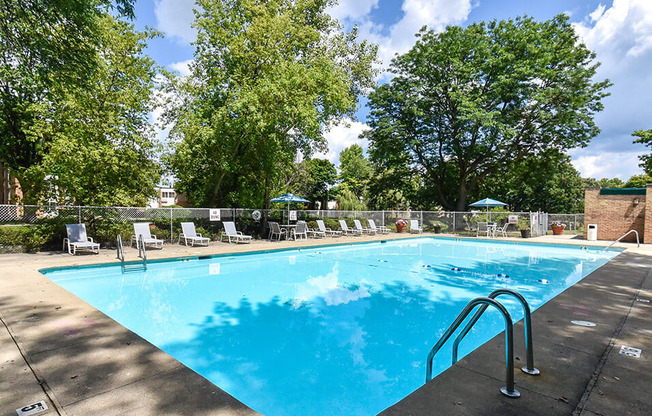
{"x": 630, "y": 351}
{"x": 32, "y": 409}
{"x": 582, "y": 323}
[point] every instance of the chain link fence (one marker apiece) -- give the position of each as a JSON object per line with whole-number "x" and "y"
{"x": 28, "y": 228}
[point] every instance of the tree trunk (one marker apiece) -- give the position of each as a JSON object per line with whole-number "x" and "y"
{"x": 461, "y": 196}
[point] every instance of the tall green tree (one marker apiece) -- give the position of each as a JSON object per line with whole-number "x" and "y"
{"x": 101, "y": 143}
{"x": 355, "y": 170}
{"x": 46, "y": 46}
{"x": 269, "y": 77}
{"x": 638, "y": 181}
{"x": 321, "y": 176}
{"x": 644, "y": 137}
{"x": 467, "y": 102}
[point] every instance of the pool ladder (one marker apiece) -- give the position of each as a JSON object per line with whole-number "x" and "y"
{"x": 131, "y": 266}
{"x": 484, "y": 302}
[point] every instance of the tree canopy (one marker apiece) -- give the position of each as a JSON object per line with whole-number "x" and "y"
{"x": 644, "y": 137}
{"x": 468, "y": 102}
{"x": 269, "y": 78}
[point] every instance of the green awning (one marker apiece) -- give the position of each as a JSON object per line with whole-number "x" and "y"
{"x": 622, "y": 191}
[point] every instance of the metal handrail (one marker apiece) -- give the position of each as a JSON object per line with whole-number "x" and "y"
{"x": 121, "y": 251}
{"x": 638, "y": 244}
{"x": 527, "y": 321}
{"x": 142, "y": 252}
{"x": 509, "y": 389}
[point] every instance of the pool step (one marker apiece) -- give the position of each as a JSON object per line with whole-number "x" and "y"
{"x": 134, "y": 267}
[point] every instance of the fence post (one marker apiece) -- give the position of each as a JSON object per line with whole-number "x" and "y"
{"x": 79, "y": 213}
{"x": 454, "y": 224}
{"x": 421, "y": 215}
{"x": 383, "y": 218}
{"x": 171, "y": 237}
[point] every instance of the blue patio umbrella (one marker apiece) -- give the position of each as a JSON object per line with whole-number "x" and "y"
{"x": 289, "y": 198}
{"x": 488, "y": 202}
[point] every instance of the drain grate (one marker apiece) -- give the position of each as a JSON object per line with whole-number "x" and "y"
{"x": 32, "y": 409}
{"x": 630, "y": 351}
{"x": 582, "y": 323}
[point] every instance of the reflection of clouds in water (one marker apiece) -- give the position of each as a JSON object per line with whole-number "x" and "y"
{"x": 330, "y": 289}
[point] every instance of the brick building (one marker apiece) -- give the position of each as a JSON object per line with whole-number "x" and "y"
{"x": 618, "y": 210}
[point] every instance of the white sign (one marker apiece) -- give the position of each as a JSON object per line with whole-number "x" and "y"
{"x": 513, "y": 219}
{"x": 293, "y": 215}
{"x": 215, "y": 215}
{"x": 32, "y": 409}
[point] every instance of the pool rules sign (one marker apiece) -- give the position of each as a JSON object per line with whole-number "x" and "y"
{"x": 214, "y": 215}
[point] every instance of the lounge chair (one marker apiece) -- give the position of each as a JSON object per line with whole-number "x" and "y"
{"x": 348, "y": 231}
{"x": 142, "y": 228}
{"x": 77, "y": 240}
{"x": 415, "y": 227}
{"x": 234, "y": 235}
{"x": 189, "y": 234}
{"x": 316, "y": 233}
{"x": 328, "y": 231}
{"x": 359, "y": 227}
{"x": 301, "y": 230}
{"x": 379, "y": 229}
{"x": 276, "y": 230}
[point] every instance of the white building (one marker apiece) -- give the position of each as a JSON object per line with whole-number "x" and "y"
{"x": 166, "y": 197}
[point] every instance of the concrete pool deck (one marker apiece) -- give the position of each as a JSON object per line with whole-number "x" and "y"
{"x": 55, "y": 347}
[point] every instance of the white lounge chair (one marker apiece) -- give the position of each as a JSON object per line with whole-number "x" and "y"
{"x": 348, "y": 231}
{"x": 276, "y": 230}
{"x": 77, "y": 240}
{"x": 379, "y": 229}
{"x": 189, "y": 234}
{"x": 328, "y": 231}
{"x": 316, "y": 233}
{"x": 415, "y": 227}
{"x": 359, "y": 227}
{"x": 301, "y": 230}
{"x": 142, "y": 228}
{"x": 234, "y": 235}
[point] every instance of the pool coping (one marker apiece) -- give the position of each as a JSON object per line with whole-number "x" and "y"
{"x": 34, "y": 310}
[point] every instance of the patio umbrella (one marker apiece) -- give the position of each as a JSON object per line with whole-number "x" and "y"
{"x": 289, "y": 198}
{"x": 488, "y": 202}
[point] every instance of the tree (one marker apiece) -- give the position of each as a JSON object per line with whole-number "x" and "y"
{"x": 638, "y": 181}
{"x": 545, "y": 182}
{"x": 644, "y": 137}
{"x": 467, "y": 102}
{"x": 268, "y": 78}
{"x": 100, "y": 147}
{"x": 45, "y": 47}
{"x": 603, "y": 183}
{"x": 321, "y": 176}
{"x": 355, "y": 170}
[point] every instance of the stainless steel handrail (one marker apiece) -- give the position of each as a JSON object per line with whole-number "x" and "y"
{"x": 142, "y": 252}
{"x": 527, "y": 321}
{"x": 509, "y": 389}
{"x": 638, "y": 244}
{"x": 121, "y": 251}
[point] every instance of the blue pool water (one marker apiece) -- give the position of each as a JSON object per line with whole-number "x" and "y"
{"x": 340, "y": 330}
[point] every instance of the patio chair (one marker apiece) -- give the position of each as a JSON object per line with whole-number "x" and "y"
{"x": 483, "y": 227}
{"x": 415, "y": 227}
{"x": 189, "y": 234}
{"x": 142, "y": 229}
{"x": 276, "y": 230}
{"x": 328, "y": 231}
{"x": 234, "y": 235}
{"x": 301, "y": 230}
{"x": 77, "y": 240}
{"x": 359, "y": 227}
{"x": 379, "y": 229}
{"x": 349, "y": 231}
{"x": 502, "y": 230}
{"x": 316, "y": 233}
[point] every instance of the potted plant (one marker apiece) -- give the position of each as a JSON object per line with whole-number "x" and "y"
{"x": 557, "y": 227}
{"x": 401, "y": 226}
{"x": 436, "y": 225}
{"x": 525, "y": 232}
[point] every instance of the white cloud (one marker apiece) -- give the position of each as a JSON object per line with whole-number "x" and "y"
{"x": 599, "y": 165}
{"x": 342, "y": 136}
{"x": 352, "y": 10}
{"x": 183, "y": 67}
{"x": 175, "y": 17}
{"x": 621, "y": 36}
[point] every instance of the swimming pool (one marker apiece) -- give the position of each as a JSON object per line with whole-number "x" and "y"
{"x": 338, "y": 330}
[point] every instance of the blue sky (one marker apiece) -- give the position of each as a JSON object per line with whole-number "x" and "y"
{"x": 619, "y": 31}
